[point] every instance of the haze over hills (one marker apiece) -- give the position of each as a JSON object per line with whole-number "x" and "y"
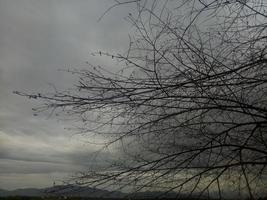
{"x": 88, "y": 192}
{"x": 70, "y": 190}
{"x": 78, "y": 191}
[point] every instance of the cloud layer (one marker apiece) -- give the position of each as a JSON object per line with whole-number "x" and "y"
{"x": 36, "y": 39}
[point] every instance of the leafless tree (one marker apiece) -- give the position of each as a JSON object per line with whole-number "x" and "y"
{"x": 188, "y": 110}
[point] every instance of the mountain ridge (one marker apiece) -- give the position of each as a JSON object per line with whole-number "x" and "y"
{"x": 62, "y": 190}
{"x": 85, "y": 192}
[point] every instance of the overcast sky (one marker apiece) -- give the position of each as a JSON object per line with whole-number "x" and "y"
{"x": 37, "y": 38}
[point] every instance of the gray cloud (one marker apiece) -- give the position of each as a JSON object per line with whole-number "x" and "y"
{"x": 25, "y": 167}
{"x": 36, "y": 39}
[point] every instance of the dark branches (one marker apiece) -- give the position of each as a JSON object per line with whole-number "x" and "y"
{"x": 190, "y": 112}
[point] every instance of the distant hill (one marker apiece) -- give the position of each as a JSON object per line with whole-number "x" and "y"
{"x": 88, "y": 192}
{"x": 70, "y": 190}
{"x": 21, "y": 192}
{"x": 3, "y": 193}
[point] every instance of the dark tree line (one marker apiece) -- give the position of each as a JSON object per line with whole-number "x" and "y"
{"x": 188, "y": 111}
